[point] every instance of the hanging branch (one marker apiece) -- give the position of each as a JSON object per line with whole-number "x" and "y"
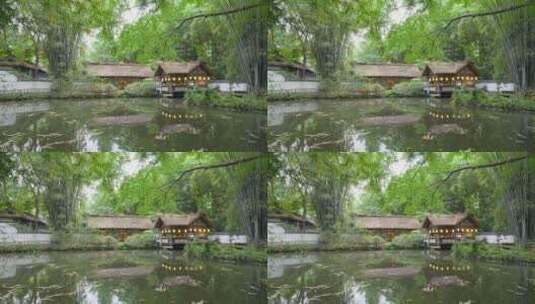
{"x": 220, "y": 165}
{"x": 220, "y": 13}
{"x": 490, "y": 13}
{"x": 484, "y": 166}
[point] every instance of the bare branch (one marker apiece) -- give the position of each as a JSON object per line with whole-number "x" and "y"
{"x": 489, "y": 13}
{"x": 484, "y": 166}
{"x": 220, "y": 13}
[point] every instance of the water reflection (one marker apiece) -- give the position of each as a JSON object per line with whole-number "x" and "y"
{"x": 395, "y": 125}
{"x": 395, "y": 277}
{"x": 145, "y": 124}
{"x": 126, "y": 277}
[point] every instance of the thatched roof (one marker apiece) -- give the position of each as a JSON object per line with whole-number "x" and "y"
{"x": 119, "y": 222}
{"x": 22, "y": 218}
{"x": 291, "y": 66}
{"x": 120, "y": 70}
{"x": 179, "y": 67}
{"x": 181, "y": 219}
{"x": 291, "y": 218}
{"x": 387, "y": 222}
{"x": 396, "y": 70}
{"x": 23, "y": 64}
{"x": 448, "y": 67}
{"x": 447, "y": 219}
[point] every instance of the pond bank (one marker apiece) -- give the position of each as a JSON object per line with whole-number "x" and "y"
{"x": 493, "y": 100}
{"x": 492, "y": 252}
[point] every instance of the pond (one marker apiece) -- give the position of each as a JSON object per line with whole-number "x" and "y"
{"x": 137, "y": 124}
{"x": 396, "y": 277}
{"x": 127, "y": 277}
{"x": 413, "y": 124}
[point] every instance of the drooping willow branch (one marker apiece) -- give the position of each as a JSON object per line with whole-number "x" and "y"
{"x": 490, "y": 13}
{"x": 220, "y": 13}
{"x": 484, "y": 166}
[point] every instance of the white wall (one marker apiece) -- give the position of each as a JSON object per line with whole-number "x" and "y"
{"x": 25, "y": 87}
{"x": 228, "y": 239}
{"x": 236, "y": 87}
{"x": 293, "y": 239}
{"x": 294, "y": 86}
{"x": 25, "y": 239}
{"x": 496, "y": 239}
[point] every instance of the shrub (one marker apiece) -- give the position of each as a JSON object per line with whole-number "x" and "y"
{"x": 144, "y": 88}
{"x": 413, "y": 240}
{"x": 145, "y": 240}
{"x": 75, "y": 241}
{"x": 413, "y": 88}
{"x": 345, "y": 241}
{"x": 83, "y": 88}
{"x": 209, "y": 97}
{"x": 226, "y": 252}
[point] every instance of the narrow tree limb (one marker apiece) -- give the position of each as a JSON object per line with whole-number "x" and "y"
{"x": 489, "y": 13}
{"x": 220, "y": 165}
{"x": 220, "y": 13}
{"x": 490, "y": 165}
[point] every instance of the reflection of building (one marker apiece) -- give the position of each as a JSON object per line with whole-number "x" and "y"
{"x": 387, "y": 74}
{"x": 119, "y": 226}
{"x": 9, "y": 111}
{"x": 173, "y": 267}
{"x": 176, "y": 230}
{"x": 444, "y": 77}
{"x": 447, "y": 267}
{"x": 177, "y": 77}
{"x": 387, "y": 227}
{"x": 443, "y": 230}
{"x": 120, "y": 74}
{"x": 449, "y": 115}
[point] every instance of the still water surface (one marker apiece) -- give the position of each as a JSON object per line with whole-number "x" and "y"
{"x": 396, "y": 277}
{"x": 137, "y": 124}
{"x": 127, "y": 277}
{"x": 415, "y": 124}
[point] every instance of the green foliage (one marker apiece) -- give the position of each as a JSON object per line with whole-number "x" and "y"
{"x": 413, "y": 240}
{"x": 145, "y": 240}
{"x": 493, "y": 252}
{"x": 225, "y": 252}
{"x": 144, "y": 88}
{"x": 413, "y": 88}
{"x": 83, "y": 241}
{"x": 354, "y": 241}
{"x": 208, "y": 97}
{"x": 83, "y": 89}
{"x": 492, "y": 100}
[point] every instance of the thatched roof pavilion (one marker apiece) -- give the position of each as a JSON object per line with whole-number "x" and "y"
{"x": 387, "y": 226}
{"x": 388, "y": 74}
{"x": 120, "y": 73}
{"x": 444, "y": 77}
{"x": 445, "y": 229}
{"x": 120, "y": 226}
{"x": 178, "y": 229}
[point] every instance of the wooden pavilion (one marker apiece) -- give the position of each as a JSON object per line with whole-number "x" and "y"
{"x": 30, "y": 221}
{"x": 387, "y": 74}
{"x": 443, "y": 230}
{"x": 388, "y": 227}
{"x": 176, "y": 77}
{"x": 444, "y": 77}
{"x": 28, "y": 70}
{"x": 121, "y": 74}
{"x": 292, "y": 71}
{"x": 119, "y": 226}
{"x": 291, "y": 222}
{"x": 175, "y": 230}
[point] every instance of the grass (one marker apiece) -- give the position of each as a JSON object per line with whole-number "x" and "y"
{"x": 225, "y": 252}
{"x": 213, "y": 98}
{"x": 413, "y": 88}
{"x": 492, "y": 100}
{"x": 483, "y": 251}
{"x": 413, "y": 240}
